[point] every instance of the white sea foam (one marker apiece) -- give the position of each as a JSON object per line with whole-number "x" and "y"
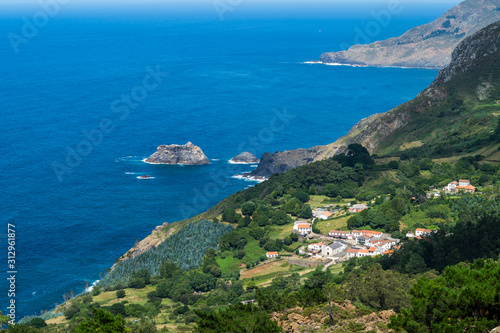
{"x": 313, "y": 62}
{"x": 89, "y": 289}
{"x": 339, "y": 64}
{"x": 214, "y": 159}
{"x": 254, "y": 165}
{"x": 233, "y": 162}
{"x": 130, "y": 159}
{"x": 139, "y": 177}
{"x": 258, "y": 179}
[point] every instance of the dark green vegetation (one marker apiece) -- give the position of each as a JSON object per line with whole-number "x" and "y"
{"x": 179, "y": 247}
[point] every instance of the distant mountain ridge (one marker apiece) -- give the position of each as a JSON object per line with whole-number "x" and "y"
{"x": 458, "y": 110}
{"x": 425, "y": 46}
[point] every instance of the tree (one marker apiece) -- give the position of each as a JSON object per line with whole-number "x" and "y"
{"x": 291, "y": 205}
{"x": 416, "y": 264}
{"x": 120, "y": 293}
{"x": 142, "y": 274}
{"x": 137, "y": 283}
{"x": 37, "y": 322}
{"x": 229, "y": 215}
{"x": 257, "y": 233}
{"x": 302, "y": 196}
{"x": 248, "y": 208}
{"x": 118, "y": 309}
{"x": 334, "y": 294}
{"x": 280, "y": 218}
{"x": 305, "y": 212}
{"x": 241, "y": 254}
{"x": 102, "y": 321}
{"x": 168, "y": 269}
{"x": 71, "y": 310}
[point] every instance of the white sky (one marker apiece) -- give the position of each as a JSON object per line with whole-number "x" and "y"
{"x": 223, "y": 1}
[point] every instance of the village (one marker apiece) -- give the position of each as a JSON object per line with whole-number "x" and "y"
{"x": 340, "y": 245}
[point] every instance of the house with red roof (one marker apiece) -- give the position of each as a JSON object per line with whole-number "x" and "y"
{"x": 270, "y": 255}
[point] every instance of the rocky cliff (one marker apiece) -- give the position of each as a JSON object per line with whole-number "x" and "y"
{"x": 282, "y": 161}
{"x": 460, "y": 106}
{"x": 450, "y": 111}
{"x": 188, "y": 154}
{"x": 426, "y": 46}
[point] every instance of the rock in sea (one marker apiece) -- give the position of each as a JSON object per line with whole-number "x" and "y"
{"x": 246, "y": 158}
{"x": 188, "y": 154}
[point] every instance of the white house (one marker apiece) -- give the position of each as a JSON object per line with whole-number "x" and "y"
{"x": 356, "y": 233}
{"x": 463, "y": 182}
{"x": 422, "y": 232}
{"x": 271, "y": 255}
{"x": 351, "y": 253}
{"x": 302, "y": 227}
{"x": 357, "y": 208}
{"x": 340, "y": 234}
{"x": 374, "y": 233}
{"x": 334, "y": 248}
{"x": 325, "y": 215}
{"x": 451, "y": 187}
{"x": 315, "y": 247}
{"x": 362, "y": 253}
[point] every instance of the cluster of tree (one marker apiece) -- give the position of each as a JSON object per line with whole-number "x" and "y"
{"x": 465, "y": 298}
{"x": 186, "y": 248}
{"x": 237, "y": 318}
{"x": 384, "y": 216}
{"x": 465, "y": 241}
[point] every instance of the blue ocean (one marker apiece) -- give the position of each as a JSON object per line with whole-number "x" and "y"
{"x": 96, "y": 89}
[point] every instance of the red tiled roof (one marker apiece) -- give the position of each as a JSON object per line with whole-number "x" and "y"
{"x": 303, "y": 226}
{"x": 352, "y": 251}
{"x": 468, "y": 187}
{"x": 271, "y": 253}
{"x": 371, "y": 232}
{"x": 363, "y": 251}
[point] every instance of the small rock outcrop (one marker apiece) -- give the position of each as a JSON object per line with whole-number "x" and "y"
{"x": 426, "y": 46}
{"x": 188, "y": 154}
{"x": 245, "y": 158}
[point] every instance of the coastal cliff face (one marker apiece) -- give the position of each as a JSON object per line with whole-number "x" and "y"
{"x": 188, "y": 154}
{"x": 447, "y": 108}
{"x": 282, "y": 161}
{"x": 437, "y": 114}
{"x": 426, "y": 46}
